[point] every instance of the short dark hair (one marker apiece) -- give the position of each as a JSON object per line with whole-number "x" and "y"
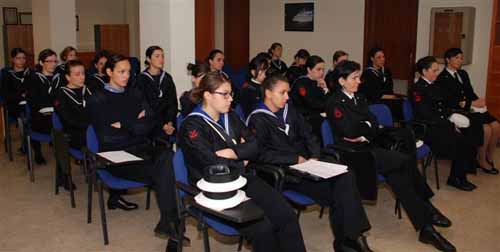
{"x": 270, "y": 82}
{"x": 452, "y": 52}
{"x": 72, "y": 64}
{"x": 257, "y": 64}
{"x": 65, "y": 52}
{"x": 44, "y": 54}
{"x": 213, "y": 53}
{"x": 15, "y": 51}
{"x": 210, "y": 82}
{"x": 344, "y": 69}
{"x": 113, "y": 60}
{"x": 338, "y": 54}
{"x": 273, "y": 47}
{"x": 372, "y": 53}
{"x": 302, "y": 54}
{"x": 312, "y": 61}
{"x": 198, "y": 69}
{"x": 425, "y": 63}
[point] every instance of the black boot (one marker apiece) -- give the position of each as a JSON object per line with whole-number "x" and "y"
{"x": 429, "y": 235}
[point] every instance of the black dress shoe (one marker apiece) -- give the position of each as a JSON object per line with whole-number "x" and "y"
{"x": 172, "y": 246}
{"x": 363, "y": 244}
{"x": 438, "y": 218}
{"x": 168, "y": 230}
{"x": 40, "y": 160}
{"x": 492, "y": 170}
{"x": 429, "y": 235}
{"x": 121, "y": 203}
{"x": 459, "y": 184}
{"x": 348, "y": 245}
{"x": 467, "y": 182}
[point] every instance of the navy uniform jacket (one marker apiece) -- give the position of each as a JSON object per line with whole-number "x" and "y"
{"x": 282, "y": 136}
{"x": 457, "y": 91}
{"x": 70, "y": 105}
{"x": 279, "y": 66}
{"x": 96, "y": 81}
{"x": 61, "y": 70}
{"x": 14, "y": 90}
{"x": 200, "y": 137}
{"x": 376, "y": 83}
{"x": 159, "y": 91}
{"x": 40, "y": 94}
{"x": 250, "y": 96}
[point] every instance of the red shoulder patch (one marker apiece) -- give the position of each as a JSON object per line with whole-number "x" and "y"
{"x": 337, "y": 114}
{"x": 193, "y": 134}
{"x": 302, "y": 91}
{"x": 417, "y": 97}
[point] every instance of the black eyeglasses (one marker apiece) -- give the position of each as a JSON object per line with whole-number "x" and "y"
{"x": 226, "y": 95}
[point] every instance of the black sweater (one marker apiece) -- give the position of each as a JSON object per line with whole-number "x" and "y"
{"x": 250, "y": 96}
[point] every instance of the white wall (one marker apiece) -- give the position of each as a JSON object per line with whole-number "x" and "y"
{"x": 22, "y": 6}
{"x": 219, "y": 24}
{"x": 484, "y": 9}
{"x": 338, "y": 25}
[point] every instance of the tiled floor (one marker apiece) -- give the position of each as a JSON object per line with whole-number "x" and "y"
{"x": 34, "y": 219}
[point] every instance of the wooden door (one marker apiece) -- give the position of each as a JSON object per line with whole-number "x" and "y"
{"x": 447, "y": 32}
{"x": 493, "y": 86}
{"x": 114, "y": 37}
{"x": 392, "y": 25}
{"x": 19, "y": 36}
{"x": 236, "y": 33}
{"x": 204, "y": 28}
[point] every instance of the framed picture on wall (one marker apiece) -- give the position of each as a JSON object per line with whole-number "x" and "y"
{"x": 25, "y": 18}
{"x": 9, "y": 15}
{"x": 299, "y": 16}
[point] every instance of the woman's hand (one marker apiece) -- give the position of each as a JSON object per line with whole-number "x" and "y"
{"x": 227, "y": 153}
{"x": 142, "y": 114}
{"x": 301, "y": 160}
{"x": 116, "y": 125}
{"x": 169, "y": 128}
{"x": 355, "y": 140}
{"x": 389, "y": 97}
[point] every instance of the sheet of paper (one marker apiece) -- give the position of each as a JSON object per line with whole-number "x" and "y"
{"x": 321, "y": 169}
{"x": 119, "y": 156}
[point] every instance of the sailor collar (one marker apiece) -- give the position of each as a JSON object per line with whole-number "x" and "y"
{"x": 223, "y": 123}
{"x": 162, "y": 76}
{"x": 71, "y": 94}
{"x": 262, "y": 108}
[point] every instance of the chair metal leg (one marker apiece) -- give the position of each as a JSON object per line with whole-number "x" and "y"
{"x": 8, "y": 138}
{"x": 436, "y": 172}
{"x": 89, "y": 199}
{"x": 71, "y": 190}
{"x": 55, "y": 180}
{"x": 148, "y": 198}
{"x": 103, "y": 214}
{"x": 298, "y": 213}
{"x": 30, "y": 159}
{"x": 206, "y": 242}
{"x": 240, "y": 243}
{"x": 321, "y": 212}
{"x": 397, "y": 209}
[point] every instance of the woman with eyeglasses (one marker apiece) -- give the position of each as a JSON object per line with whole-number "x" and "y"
{"x": 250, "y": 94}
{"x": 309, "y": 93}
{"x": 41, "y": 88}
{"x": 285, "y": 138}
{"x": 123, "y": 122}
{"x": 14, "y": 83}
{"x": 212, "y": 135}
{"x": 159, "y": 90}
{"x": 197, "y": 71}
{"x": 96, "y": 80}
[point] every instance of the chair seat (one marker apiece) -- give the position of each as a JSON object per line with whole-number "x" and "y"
{"x": 423, "y": 151}
{"x": 41, "y": 137}
{"x": 117, "y": 183}
{"x": 221, "y": 228}
{"x": 298, "y": 198}
{"x": 77, "y": 154}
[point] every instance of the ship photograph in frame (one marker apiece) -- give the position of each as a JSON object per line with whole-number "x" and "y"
{"x": 299, "y": 16}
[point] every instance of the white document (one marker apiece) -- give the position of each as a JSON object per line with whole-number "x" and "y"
{"x": 119, "y": 156}
{"x": 321, "y": 169}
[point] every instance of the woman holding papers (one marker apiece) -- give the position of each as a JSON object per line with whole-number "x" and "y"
{"x": 41, "y": 89}
{"x": 355, "y": 127}
{"x": 212, "y": 135}
{"x": 122, "y": 122}
{"x": 285, "y": 139}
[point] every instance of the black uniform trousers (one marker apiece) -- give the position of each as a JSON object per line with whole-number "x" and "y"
{"x": 400, "y": 171}
{"x": 348, "y": 219}
{"x": 280, "y": 229}
{"x": 156, "y": 170}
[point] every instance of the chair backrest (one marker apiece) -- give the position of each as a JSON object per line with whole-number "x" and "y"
{"x": 180, "y": 118}
{"x": 407, "y": 110}
{"x": 326, "y": 133}
{"x": 382, "y": 113}
{"x": 238, "y": 79}
{"x": 239, "y": 111}
{"x": 180, "y": 170}
{"x": 56, "y": 122}
{"x": 92, "y": 141}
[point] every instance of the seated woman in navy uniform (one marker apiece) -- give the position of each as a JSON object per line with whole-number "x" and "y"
{"x": 14, "y": 83}
{"x": 377, "y": 84}
{"x": 443, "y": 136}
{"x": 461, "y": 96}
{"x": 276, "y": 50}
{"x": 297, "y": 68}
{"x": 309, "y": 94}
{"x": 197, "y": 71}
{"x": 158, "y": 89}
{"x": 355, "y": 127}
{"x": 97, "y": 78}
{"x": 123, "y": 121}
{"x": 211, "y": 135}
{"x": 41, "y": 88}
{"x": 285, "y": 139}
{"x": 67, "y": 54}
{"x": 250, "y": 94}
